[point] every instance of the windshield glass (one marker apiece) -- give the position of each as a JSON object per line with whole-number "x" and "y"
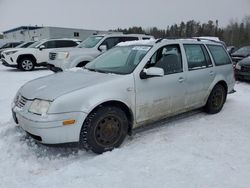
{"x": 90, "y": 42}
{"x": 35, "y": 44}
{"x": 24, "y": 45}
{"x": 243, "y": 51}
{"x": 119, "y": 60}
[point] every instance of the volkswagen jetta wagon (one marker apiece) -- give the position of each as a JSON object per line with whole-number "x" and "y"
{"x": 130, "y": 85}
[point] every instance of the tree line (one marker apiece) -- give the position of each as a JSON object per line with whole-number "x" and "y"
{"x": 235, "y": 33}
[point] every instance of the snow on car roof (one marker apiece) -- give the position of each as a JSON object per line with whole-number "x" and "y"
{"x": 137, "y": 42}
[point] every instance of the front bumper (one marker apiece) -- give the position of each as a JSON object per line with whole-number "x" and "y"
{"x": 50, "y": 129}
{"x": 242, "y": 75}
{"x": 5, "y": 63}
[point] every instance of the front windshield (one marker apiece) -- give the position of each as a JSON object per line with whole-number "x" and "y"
{"x": 90, "y": 42}
{"x": 35, "y": 44}
{"x": 119, "y": 60}
{"x": 243, "y": 51}
{"x": 24, "y": 45}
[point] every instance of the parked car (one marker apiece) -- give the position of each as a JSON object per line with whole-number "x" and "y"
{"x": 36, "y": 54}
{"x": 126, "y": 87}
{"x": 242, "y": 69}
{"x": 9, "y": 45}
{"x": 240, "y": 54}
{"x": 22, "y": 45}
{"x": 88, "y": 50}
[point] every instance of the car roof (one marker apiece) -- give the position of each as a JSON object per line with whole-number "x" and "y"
{"x": 153, "y": 42}
{"x": 125, "y": 35}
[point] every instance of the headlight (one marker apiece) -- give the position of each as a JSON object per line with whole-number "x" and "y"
{"x": 10, "y": 52}
{"x": 39, "y": 106}
{"x": 62, "y": 55}
{"x": 238, "y": 66}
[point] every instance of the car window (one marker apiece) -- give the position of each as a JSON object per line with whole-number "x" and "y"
{"x": 219, "y": 55}
{"x": 168, "y": 58}
{"x": 120, "y": 59}
{"x": 111, "y": 42}
{"x": 65, "y": 43}
{"x": 196, "y": 58}
{"x": 124, "y": 39}
{"x": 50, "y": 44}
{"x": 90, "y": 42}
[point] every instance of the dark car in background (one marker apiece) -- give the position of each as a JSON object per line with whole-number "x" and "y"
{"x": 240, "y": 54}
{"x": 242, "y": 69}
{"x": 231, "y": 49}
{"x": 10, "y": 45}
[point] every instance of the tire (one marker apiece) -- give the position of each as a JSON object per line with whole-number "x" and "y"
{"x": 216, "y": 99}
{"x": 26, "y": 64}
{"x": 104, "y": 129}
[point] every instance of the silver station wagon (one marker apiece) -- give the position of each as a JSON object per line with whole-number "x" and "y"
{"x": 133, "y": 84}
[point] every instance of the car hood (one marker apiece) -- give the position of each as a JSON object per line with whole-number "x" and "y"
{"x": 55, "y": 85}
{"x": 74, "y": 50}
{"x": 238, "y": 54}
{"x": 245, "y": 62}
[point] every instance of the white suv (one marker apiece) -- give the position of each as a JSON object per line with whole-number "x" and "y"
{"x": 35, "y": 55}
{"x": 88, "y": 50}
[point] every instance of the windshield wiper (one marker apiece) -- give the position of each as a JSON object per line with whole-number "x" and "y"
{"x": 96, "y": 70}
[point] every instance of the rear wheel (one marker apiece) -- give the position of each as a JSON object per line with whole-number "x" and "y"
{"x": 216, "y": 99}
{"x": 26, "y": 64}
{"x": 104, "y": 129}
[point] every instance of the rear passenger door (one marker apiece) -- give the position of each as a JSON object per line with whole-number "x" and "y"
{"x": 200, "y": 74}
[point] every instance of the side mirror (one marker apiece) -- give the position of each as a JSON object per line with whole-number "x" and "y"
{"x": 151, "y": 72}
{"x": 41, "y": 47}
{"x": 103, "y": 48}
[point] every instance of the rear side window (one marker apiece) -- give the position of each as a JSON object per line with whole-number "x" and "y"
{"x": 50, "y": 44}
{"x": 195, "y": 56}
{"x": 65, "y": 43}
{"x": 124, "y": 39}
{"x": 219, "y": 55}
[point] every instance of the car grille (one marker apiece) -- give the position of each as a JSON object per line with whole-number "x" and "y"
{"x": 21, "y": 101}
{"x": 52, "y": 56}
{"x": 245, "y": 68}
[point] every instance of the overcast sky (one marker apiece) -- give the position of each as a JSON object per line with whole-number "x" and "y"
{"x": 111, "y": 14}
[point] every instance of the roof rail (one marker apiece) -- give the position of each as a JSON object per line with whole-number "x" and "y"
{"x": 158, "y": 40}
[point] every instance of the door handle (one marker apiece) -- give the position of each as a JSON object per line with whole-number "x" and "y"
{"x": 181, "y": 79}
{"x": 211, "y": 73}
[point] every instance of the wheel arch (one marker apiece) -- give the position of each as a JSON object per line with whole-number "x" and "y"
{"x": 128, "y": 112}
{"x": 223, "y": 83}
{"x": 26, "y": 56}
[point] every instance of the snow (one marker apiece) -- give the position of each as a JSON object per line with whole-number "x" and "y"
{"x": 195, "y": 151}
{"x": 137, "y": 42}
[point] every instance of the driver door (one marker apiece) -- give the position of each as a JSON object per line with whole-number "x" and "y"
{"x": 158, "y": 97}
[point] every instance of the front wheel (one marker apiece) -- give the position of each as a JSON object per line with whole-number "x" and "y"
{"x": 216, "y": 99}
{"x": 104, "y": 129}
{"x": 26, "y": 64}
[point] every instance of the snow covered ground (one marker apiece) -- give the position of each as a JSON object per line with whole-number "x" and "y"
{"x": 198, "y": 151}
